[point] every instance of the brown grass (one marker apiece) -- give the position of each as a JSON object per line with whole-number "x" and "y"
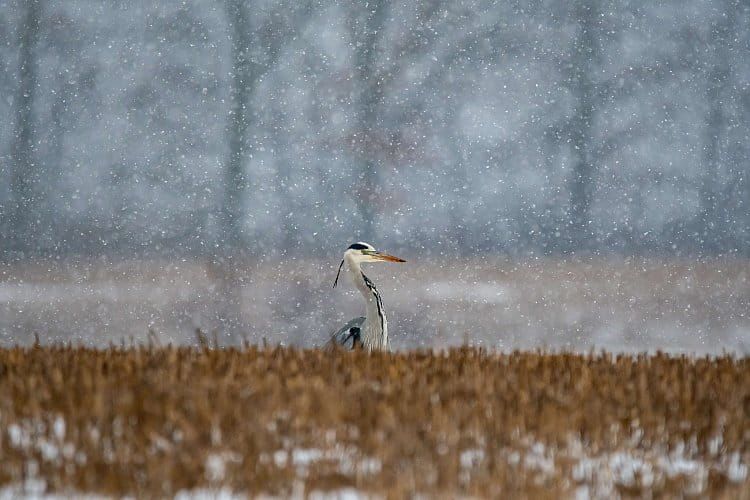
{"x": 152, "y": 421}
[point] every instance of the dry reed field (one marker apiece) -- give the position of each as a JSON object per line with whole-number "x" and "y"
{"x": 160, "y": 421}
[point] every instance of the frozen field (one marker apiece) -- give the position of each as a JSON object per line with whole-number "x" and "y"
{"x": 631, "y": 305}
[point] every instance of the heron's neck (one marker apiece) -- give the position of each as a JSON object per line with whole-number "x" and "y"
{"x": 358, "y": 277}
{"x": 376, "y": 324}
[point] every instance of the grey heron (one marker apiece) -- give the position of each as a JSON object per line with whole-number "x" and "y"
{"x": 370, "y": 331}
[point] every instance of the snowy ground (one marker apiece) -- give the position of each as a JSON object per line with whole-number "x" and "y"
{"x": 624, "y": 305}
{"x": 570, "y": 467}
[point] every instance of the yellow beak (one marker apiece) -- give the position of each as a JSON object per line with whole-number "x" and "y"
{"x": 386, "y": 258}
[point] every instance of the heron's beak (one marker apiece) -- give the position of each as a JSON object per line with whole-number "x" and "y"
{"x": 381, "y": 257}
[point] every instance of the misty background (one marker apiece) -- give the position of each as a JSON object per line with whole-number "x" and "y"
{"x": 200, "y": 141}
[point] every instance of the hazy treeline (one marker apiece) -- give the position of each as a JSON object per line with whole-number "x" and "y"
{"x": 202, "y": 127}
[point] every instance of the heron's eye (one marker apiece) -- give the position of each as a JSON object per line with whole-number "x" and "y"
{"x": 368, "y": 252}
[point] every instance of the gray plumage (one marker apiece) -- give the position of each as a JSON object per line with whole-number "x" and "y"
{"x": 349, "y": 335}
{"x": 369, "y": 332}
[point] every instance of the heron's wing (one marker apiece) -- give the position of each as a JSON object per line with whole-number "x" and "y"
{"x": 348, "y": 336}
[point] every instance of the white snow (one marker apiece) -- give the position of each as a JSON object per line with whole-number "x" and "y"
{"x": 596, "y": 475}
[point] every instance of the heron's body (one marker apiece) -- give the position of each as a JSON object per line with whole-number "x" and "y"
{"x": 370, "y": 331}
{"x": 349, "y": 335}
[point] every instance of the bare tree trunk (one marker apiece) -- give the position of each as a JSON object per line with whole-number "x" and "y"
{"x": 226, "y": 266}
{"x": 710, "y": 218}
{"x": 278, "y": 28}
{"x": 552, "y": 221}
{"x": 288, "y": 214}
{"x": 235, "y": 181}
{"x": 370, "y": 103}
{"x": 586, "y": 54}
{"x": 24, "y": 177}
{"x": 713, "y": 204}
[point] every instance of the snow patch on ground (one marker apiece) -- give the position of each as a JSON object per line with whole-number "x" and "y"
{"x": 28, "y": 491}
{"x": 595, "y": 475}
{"x": 348, "y": 459}
{"x": 599, "y": 475}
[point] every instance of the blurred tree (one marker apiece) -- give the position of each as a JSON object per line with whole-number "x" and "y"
{"x": 369, "y": 28}
{"x": 599, "y": 82}
{"x": 24, "y": 178}
{"x": 62, "y": 99}
{"x": 256, "y": 42}
{"x": 585, "y": 57}
{"x": 718, "y": 181}
{"x": 242, "y": 80}
{"x": 620, "y": 127}
{"x": 393, "y": 101}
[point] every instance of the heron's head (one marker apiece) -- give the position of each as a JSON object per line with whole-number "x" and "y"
{"x": 361, "y": 252}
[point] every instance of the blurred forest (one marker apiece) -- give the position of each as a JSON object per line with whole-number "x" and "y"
{"x": 288, "y": 127}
